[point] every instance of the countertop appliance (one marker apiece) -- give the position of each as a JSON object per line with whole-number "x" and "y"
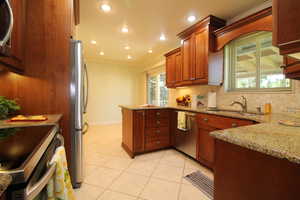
{"x": 186, "y": 138}
{"x": 6, "y": 21}
{"x": 24, "y": 154}
{"x": 79, "y": 98}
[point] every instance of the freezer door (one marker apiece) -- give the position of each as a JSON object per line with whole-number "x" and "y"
{"x": 77, "y": 89}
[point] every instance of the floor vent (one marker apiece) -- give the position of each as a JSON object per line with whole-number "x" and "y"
{"x": 202, "y": 182}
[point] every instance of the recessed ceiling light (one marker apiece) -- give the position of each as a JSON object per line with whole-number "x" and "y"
{"x": 162, "y": 37}
{"x": 124, "y": 29}
{"x": 129, "y": 57}
{"x": 101, "y": 53}
{"x": 127, "y": 47}
{"x": 150, "y": 51}
{"x": 93, "y": 42}
{"x": 105, "y": 7}
{"x": 191, "y": 18}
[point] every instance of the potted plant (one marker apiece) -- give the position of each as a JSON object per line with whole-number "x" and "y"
{"x": 7, "y": 107}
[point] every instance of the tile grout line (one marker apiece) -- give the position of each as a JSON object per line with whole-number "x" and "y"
{"x": 139, "y": 196}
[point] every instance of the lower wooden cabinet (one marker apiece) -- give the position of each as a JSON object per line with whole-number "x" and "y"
{"x": 145, "y": 130}
{"x": 206, "y": 144}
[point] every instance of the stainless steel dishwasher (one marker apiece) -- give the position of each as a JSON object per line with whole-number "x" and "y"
{"x": 186, "y": 135}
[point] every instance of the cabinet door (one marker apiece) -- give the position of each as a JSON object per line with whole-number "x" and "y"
{"x": 286, "y": 25}
{"x": 206, "y": 147}
{"x": 139, "y": 131}
{"x": 178, "y": 68}
{"x": 170, "y": 71}
{"x": 15, "y": 47}
{"x": 201, "y": 55}
{"x": 187, "y": 59}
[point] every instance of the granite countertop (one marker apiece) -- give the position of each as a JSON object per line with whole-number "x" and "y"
{"x": 5, "y": 181}
{"x": 268, "y": 137}
{"x": 52, "y": 119}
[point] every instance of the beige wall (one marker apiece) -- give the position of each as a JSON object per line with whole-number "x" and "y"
{"x": 109, "y": 86}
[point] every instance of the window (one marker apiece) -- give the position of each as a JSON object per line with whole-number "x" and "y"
{"x": 253, "y": 64}
{"x": 157, "y": 90}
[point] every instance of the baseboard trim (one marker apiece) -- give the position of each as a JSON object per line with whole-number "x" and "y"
{"x": 105, "y": 123}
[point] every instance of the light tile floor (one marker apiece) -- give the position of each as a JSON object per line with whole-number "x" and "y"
{"x": 110, "y": 174}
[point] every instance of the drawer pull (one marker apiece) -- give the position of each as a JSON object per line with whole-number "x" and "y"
{"x": 157, "y": 131}
{"x": 234, "y": 125}
{"x": 158, "y": 113}
{"x": 205, "y": 119}
{"x": 157, "y": 122}
{"x": 157, "y": 142}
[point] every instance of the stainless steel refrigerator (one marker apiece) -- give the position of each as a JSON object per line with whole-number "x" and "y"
{"x": 79, "y": 98}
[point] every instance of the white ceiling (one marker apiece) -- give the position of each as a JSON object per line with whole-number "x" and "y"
{"x": 146, "y": 20}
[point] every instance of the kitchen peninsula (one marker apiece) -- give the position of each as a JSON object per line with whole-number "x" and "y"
{"x": 264, "y": 153}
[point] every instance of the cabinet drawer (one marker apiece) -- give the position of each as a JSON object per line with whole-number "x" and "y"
{"x": 157, "y": 144}
{"x": 220, "y": 122}
{"x": 157, "y": 114}
{"x": 157, "y": 123}
{"x": 157, "y": 131}
{"x": 153, "y": 138}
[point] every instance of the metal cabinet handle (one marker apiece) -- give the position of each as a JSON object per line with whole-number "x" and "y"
{"x": 157, "y": 142}
{"x": 33, "y": 190}
{"x": 234, "y": 124}
{"x": 8, "y": 33}
{"x": 157, "y": 122}
{"x": 157, "y": 131}
{"x": 158, "y": 113}
{"x": 205, "y": 119}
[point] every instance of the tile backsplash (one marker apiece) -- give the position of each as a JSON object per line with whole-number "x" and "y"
{"x": 281, "y": 101}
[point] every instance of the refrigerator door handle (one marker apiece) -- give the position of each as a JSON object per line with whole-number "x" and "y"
{"x": 86, "y": 89}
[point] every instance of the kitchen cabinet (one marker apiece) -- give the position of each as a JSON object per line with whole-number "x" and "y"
{"x": 206, "y": 144}
{"x": 253, "y": 175}
{"x": 197, "y": 46}
{"x": 14, "y": 50}
{"x": 173, "y": 67}
{"x": 145, "y": 130}
{"x": 291, "y": 67}
{"x": 286, "y": 26}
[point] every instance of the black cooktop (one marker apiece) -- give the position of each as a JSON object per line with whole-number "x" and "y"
{"x": 16, "y": 144}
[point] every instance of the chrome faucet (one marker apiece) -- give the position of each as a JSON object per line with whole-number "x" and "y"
{"x": 244, "y": 104}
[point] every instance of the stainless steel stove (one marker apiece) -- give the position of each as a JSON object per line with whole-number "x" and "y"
{"x": 24, "y": 154}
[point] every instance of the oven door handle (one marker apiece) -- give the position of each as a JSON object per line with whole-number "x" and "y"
{"x": 11, "y": 22}
{"x": 33, "y": 190}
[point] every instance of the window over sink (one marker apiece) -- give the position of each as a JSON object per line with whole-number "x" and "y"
{"x": 252, "y": 63}
{"x": 157, "y": 92}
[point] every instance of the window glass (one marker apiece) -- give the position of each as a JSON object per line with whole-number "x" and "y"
{"x": 254, "y": 64}
{"x": 157, "y": 90}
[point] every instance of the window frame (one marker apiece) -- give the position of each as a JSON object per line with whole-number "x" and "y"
{"x": 230, "y": 65}
{"x": 157, "y": 75}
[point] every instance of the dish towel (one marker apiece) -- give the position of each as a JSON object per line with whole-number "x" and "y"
{"x": 60, "y": 187}
{"x": 181, "y": 124}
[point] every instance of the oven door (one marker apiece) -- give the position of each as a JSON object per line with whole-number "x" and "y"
{"x": 6, "y": 21}
{"x": 36, "y": 187}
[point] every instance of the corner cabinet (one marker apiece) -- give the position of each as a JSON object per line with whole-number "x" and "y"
{"x": 286, "y": 26}
{"x": 195, "y": 52}
{"x": 14, "y": 50}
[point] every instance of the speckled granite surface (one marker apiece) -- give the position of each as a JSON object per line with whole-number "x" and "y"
{"x": 267, "y": 137}
{"x": 5, "y": 181}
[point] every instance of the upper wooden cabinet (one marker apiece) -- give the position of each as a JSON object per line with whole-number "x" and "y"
{"x": 173, "y": 68}
{"x": 197, "y": 46}
{"x": 189, "y": 65}
{"x": 291, "y": 69}
{"x": 286, "y": 26}
{"x": 14, "y": 50}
